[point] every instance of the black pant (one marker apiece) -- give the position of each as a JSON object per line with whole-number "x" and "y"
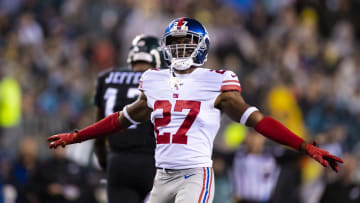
{"x": 130, "y": 176}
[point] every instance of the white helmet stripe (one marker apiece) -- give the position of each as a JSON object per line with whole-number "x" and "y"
{"x": 156, "y": 54}
{"x": 142, "y": 56}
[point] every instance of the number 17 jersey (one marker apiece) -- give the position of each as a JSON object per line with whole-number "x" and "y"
{"x": 185, "y": 118}
{"x": 116, "y": 88}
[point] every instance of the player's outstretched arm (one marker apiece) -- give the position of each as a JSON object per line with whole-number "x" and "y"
{"x": 119, "y": 121}
{"x": 232, "y": 103}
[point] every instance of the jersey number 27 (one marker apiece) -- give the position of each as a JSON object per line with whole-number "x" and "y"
{"x": 180, "y": 136}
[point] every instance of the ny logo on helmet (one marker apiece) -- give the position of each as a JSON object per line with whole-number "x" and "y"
{"x": 179, "y": 25}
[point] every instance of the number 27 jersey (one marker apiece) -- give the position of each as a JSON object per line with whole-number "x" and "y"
{"x": 185, "y": 119}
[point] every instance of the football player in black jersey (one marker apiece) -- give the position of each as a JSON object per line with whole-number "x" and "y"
{"x": 127, "y": 159}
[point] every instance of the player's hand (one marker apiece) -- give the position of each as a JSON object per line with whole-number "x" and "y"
{"x": 64, "y": 139}
{"x": 322, "y": 156}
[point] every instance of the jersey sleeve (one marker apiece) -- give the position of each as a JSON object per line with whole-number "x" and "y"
{"x": 143, "y": 83}
{"x": 230, "y": 82}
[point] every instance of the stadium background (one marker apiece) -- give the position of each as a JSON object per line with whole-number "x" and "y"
{"x": 297, "y": 60}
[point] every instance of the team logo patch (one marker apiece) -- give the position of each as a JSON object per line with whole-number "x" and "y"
{"x": 180, "y": 26}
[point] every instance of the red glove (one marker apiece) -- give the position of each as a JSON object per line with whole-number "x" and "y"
{"x": 322, "y": 156}
{"x": 64, "y": 139}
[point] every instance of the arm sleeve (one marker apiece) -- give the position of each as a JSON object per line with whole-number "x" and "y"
{"x": 142, "y": 85}
{"x": 277, "y": 132}
{"x": 145, "y": 80}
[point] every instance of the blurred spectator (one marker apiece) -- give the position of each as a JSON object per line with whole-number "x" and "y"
{"x": 283, "y": 106}
{"x": 10, "y": 103}
{"x": 10, "y": 100}
{"x": 10, "y": 7}
{"x": 104, "y": 54}
{"x": 23, "y": 169}
{"x": 255, "y": 171}
{"x": 1, "y": 191}
{"x": 29, "y": 31}
{"x": 145, "y": 17}
{"x": 61, "y": 180}
{"x": 345, "y": 189}
{"x": 221, "y": 166}
{"x": 289, "y": 178}
{"x": 314, "y": 176}
{"x": 8, "y": 193}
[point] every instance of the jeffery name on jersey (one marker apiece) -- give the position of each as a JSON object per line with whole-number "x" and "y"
{"x": 123, "y": 78}
{"x": 114, "y": 84}
{"x": 185, "y": 119}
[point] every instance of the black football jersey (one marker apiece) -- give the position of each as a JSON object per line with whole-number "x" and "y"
{"x": 116, "y": 88}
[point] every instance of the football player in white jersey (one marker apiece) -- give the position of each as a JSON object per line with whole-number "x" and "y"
{"x": 184, "y": 103}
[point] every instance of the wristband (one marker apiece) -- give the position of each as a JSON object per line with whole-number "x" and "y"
{"x": 245, "y": 116}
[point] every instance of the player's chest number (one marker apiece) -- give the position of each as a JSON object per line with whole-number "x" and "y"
{"x": 180, "y": 136}
{"x": 110, "y": 97}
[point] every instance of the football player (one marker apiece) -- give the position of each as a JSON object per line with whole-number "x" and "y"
{"x": 130, "y": 163}
{"x": 185, "y": 103}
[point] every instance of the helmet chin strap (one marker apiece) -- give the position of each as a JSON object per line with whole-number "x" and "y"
{"x": 178, "y": 64}
{"x": 174, "y": 82}
{"x": 182, "y": 64}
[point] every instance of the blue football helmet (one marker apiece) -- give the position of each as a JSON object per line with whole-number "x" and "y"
{"x": 185, "y": 43}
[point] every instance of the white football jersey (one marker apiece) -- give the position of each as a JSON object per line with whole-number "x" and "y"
{"x": 185, "y": 119}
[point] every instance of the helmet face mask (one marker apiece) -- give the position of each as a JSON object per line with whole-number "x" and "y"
{"x": 181, "y": 47}
{"x": 185, "y": 43}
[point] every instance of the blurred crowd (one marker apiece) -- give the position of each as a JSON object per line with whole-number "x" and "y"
{"x": 297, "y": 60}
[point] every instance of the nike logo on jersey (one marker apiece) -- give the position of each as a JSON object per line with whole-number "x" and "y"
{"x": 188, "y": 176}
{"x": 233, "y": 75}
